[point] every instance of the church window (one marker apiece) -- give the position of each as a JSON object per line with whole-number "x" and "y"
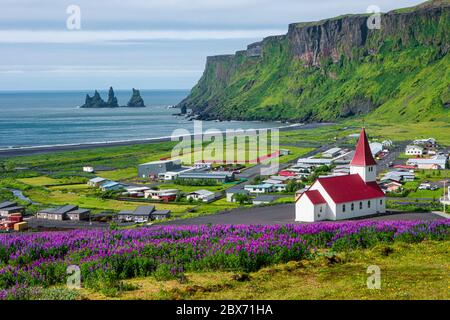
{"x": 368, "y": 204}
{"x": 353, "y": 206}
{"x": 360, "y": 205}
{"x": 343, "y": 208}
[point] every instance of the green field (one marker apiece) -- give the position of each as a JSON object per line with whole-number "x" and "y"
{"x": 57, "y": 179}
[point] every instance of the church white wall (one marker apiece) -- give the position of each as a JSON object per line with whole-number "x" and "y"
{"x": 304, "y": 210}
{"x": 331, "y": 206}
{"x": 365, "y": 173}
{"x": 375, "y": 207}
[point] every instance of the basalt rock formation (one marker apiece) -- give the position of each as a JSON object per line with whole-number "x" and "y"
{"x": 136, "y": 100}
{"x": 96, "y": 101}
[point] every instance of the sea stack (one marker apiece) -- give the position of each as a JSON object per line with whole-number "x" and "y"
{"x": 136, "y": 100}
{"x": 94, "y": 102}
{"x": 112, "y": 100}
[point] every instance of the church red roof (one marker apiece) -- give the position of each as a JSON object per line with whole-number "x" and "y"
{"x": 350, "y": 188}
{"x": 363, "y": 154}
{"x": 315, "y": 197}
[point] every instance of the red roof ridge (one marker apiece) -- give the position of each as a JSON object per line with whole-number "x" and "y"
{"x": 363, "y": 155}
{"x": 315, "y": 196}
{"x": 350, "y": 188}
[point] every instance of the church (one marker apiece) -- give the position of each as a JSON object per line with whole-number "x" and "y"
{"x": 343, "y": 197}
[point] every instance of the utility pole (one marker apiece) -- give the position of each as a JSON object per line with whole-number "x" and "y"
{"x": 444, "y": 200}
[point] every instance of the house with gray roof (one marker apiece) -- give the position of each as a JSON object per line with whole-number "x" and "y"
{"x": 139, "y": 215}
{"x": 201, "y": 195}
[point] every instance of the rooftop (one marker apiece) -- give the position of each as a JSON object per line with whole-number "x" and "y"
{"x": 8, "y": 204}
{"x": 265, "y": 198}
{"x": 203, "y": 192}
{"x": 160, "y": 162}
{"x": 363, "y": 154}
{"x": 350, "y": 188}
{"x": 264, "y": 186}
{"x": 314, "y": 196}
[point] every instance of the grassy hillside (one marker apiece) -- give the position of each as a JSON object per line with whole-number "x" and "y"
{"x": 314, "y": 73}
{"x": 406, "y": 273}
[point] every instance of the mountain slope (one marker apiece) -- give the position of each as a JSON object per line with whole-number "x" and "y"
{"x": 336, "y": 68}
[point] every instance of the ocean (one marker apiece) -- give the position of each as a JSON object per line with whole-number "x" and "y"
{"x": 51, "y": 118}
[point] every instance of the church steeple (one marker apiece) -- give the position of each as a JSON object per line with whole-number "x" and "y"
{"x": 363, "y": 162}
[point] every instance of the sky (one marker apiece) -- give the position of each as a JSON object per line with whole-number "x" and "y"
{"x": 146, "y": 44}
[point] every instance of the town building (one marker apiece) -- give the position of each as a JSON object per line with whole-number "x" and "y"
{"x": 59, "y": 213}
{"x": 141, "y": 214}
{"x": 166, "y": 195}
{"x": 426, "y": 143}
{"x": 263, "y": 199}
{"x": 96, "y": 182}
{"x": 133, "y": 191}
{"x": 202, "y": 165}
{"x": 259, "y": 188}
{"x": 173, "y": 175}
{"x": 347, "y": 196}
{"x": 391, "y": 186}
{"x": 331, "y": 153}
{"x": 201, "y": 195}
{"x": 111, "y": 185}
{"x": 153, "y": 169}
{"x": 376, "y": 148}
{"x": 414, "y": 150}
{"x": 78, "y": 215}
{"x": 233, "y": 191}
{"x": 7, "y": 208}
{"x": 436, "y": 163}
{"x": 398, "y": 176}
{"x": 88, "y": 169}
{"x": 160, "y": 214}
{"x": 216, "y": 176}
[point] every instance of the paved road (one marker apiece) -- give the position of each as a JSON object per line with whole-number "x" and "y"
{"x": 280, "y": 214}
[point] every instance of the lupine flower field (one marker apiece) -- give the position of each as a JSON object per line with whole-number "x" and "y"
{"x": 105, "y": 256}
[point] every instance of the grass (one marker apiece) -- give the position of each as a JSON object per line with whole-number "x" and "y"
{"x": 119, "y": 174}
{"x": 432, "y": 194}
{"x": 406, "y": 273}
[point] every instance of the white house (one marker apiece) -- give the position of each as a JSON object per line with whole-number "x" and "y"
{"x": 201, "y": 195}
{"x": 202, "y": 165}
{"x": 331, "y": 153}
{"x": 88, "y": 169}
{"x": 259, "y": 188}
{"x": 347, "y": 196}
{"x": 437, "y": 162}
{"x": 414, "y": 150}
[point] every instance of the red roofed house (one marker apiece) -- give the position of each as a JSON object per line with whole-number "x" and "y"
{"x": 342, "y": 197}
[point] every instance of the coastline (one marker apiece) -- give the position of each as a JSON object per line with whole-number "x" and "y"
{"x": 44, "y": 149}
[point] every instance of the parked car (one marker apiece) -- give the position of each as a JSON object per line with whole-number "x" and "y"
{"x": 425, "y": 186}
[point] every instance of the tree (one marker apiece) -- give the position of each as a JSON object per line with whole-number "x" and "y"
{"x": 241, "y": 198}
{"x": 293, "y": 186}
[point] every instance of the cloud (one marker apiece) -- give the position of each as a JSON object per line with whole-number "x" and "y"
{"x": 50, "y": 36}
{"x": 94, "y": 70}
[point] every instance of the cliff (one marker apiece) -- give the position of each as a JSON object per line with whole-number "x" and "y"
{"x": 335, "y": 68}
